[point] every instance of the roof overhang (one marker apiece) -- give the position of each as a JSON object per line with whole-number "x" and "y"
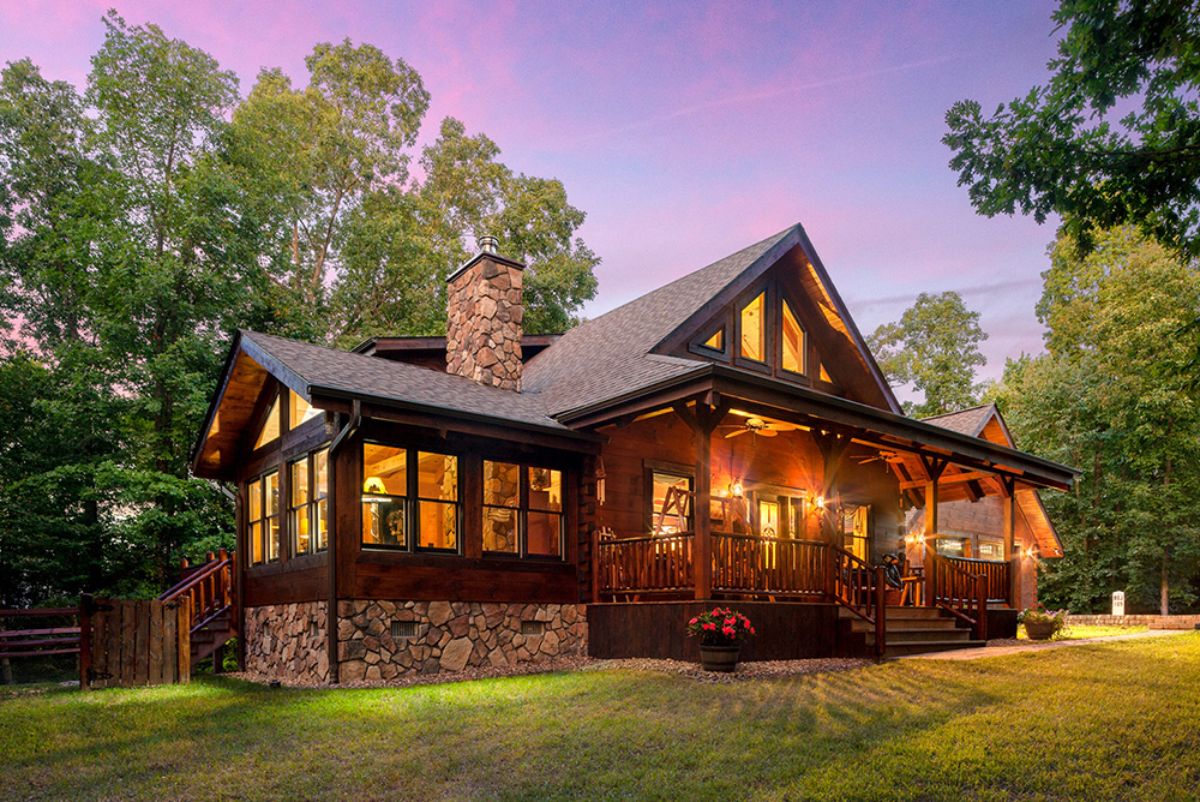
{"x": 885, "y": 429}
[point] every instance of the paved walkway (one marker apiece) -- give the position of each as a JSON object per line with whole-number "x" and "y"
{"x": 1001, "y": 651}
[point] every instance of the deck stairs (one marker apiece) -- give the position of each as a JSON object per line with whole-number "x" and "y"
{"x": 918, "y": 630}
{"x": 211, "y": 590}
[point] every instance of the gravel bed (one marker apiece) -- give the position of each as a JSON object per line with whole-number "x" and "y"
{"x": 763, "y": 669}
{"x": 766, "y": 669}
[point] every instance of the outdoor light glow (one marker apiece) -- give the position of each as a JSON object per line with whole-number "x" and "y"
{"x": 737, "y": 490}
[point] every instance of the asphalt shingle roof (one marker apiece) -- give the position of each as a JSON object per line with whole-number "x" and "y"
{"x": 356, "y": 374}
{"x": 964, "y": 421}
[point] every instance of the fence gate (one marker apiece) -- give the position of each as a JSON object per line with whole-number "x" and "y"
{"x": 136, "y": 643}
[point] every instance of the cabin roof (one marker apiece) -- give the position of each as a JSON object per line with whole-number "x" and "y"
{"x": 986, "y": 422}
{"x": 614, "y": 355}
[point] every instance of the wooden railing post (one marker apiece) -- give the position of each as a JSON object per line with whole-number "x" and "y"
{"x": 981, "y": 586}
{"x": 85, "y": 642}
{"x": 595, "y": 561}
{"x": 880, "y": 613}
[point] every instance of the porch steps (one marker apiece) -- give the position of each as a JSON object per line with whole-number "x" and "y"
{"x": 918, "y": 630}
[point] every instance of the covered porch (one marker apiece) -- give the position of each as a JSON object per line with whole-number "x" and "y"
{"x": 798, "y": 496}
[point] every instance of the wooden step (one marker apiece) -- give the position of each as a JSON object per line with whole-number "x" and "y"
{"x": 907, "y": 613}
{"x": 902, "y": 624}
{"x": 925, "y": 647}
{"x": 922, "y": 635}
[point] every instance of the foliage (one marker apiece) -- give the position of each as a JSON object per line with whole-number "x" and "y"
{"x": 931, "y": 730}
{"x": 147, "y": 217}
{"x": 1040, "y": 614}
{"x": 935, "y": 348}
{"x": 1112, "y": 397}
{"x": 720, "y": 626}
{"x": 1059, "y": 149}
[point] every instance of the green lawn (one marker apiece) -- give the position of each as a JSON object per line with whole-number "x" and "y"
{"x": 1081, "y": 631}
{"x": 1112, "y": 721}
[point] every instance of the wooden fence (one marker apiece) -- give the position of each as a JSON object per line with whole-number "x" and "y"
{"x": 128, "y": 643}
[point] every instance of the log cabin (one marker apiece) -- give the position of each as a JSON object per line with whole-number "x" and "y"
{"x": 494, "y": 498}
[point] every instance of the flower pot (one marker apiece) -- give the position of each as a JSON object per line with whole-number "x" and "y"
{"x": 719, "y": 658}
{"x": 1041, "y": 630}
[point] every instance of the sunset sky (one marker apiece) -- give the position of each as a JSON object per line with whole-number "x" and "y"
{"x": 688, "y": 131}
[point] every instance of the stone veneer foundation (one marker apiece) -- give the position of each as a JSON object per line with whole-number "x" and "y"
{"x": 288, "y": 641}
{"x": 452, "y": 636}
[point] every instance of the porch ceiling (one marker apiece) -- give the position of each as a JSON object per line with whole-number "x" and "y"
{"x": 911, "y": 438}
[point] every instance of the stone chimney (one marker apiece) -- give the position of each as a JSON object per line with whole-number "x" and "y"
{"x": 483, "y": 319}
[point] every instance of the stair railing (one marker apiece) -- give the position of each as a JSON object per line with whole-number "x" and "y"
{"x": 859, "y": 588}
{"x": 959, "y": 592}
{"x": 209, "y": 586}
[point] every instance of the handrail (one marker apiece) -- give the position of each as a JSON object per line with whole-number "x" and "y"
{"x": 859, "y": 587}
{"x": 210, "y": 588}
{"x": 770, "y": 566}
{"x": 996, "y": 573}
{"x": 959, "y": 592}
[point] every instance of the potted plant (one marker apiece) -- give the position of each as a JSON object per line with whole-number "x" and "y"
{"x": 1040, "y": 623}
{"x": 721, "y": 632}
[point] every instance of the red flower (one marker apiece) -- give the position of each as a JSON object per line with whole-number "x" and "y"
{"x": 692, "y": 622}
{"x": 710, "y": 626}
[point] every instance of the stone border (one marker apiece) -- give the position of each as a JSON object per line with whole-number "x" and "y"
{"x": 1151, "y": 621}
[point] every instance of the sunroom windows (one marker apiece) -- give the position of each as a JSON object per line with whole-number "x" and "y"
{"x": 410, "y": 498}
{"x": 522, "y": 510}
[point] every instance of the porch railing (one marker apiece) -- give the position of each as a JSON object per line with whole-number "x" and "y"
{"x": 769, "y": 566}
{"x": 995, "y": 576}
{"x": 645, "y": 565}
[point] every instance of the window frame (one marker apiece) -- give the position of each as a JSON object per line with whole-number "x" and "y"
{"x": 264, "y": 520}
{"x": 786, "y": 306}
{"x": 311, "y": 505}
{"x": 679, "y": 471}
{"x": 412, "y": 501}
{"x": 523, "y": 509}
{"x": 768, "y": 327}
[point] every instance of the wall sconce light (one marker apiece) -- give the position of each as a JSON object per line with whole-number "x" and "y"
{"x": 1029, "y": 553}
{"x": 737, "y": 490}
{"x": 819, "y": 502}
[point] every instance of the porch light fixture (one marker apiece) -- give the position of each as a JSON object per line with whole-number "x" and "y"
{"x": 819, "y": 502}
{"x": 737, "y": 490}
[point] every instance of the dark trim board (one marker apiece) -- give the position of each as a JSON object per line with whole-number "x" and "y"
{"x": 786, "y": 631}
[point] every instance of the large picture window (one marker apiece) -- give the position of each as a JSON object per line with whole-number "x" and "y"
{"x": 410, "y": 499}
{"x": 522, "y": 509}
{"x": 308, "y": 480}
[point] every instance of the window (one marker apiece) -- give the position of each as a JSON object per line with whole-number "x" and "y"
{"x": 299, "y": 410}
{"x": 674, "y": 487}
{"x": 754, "y": 329}
{"x": 437, "y": 501}
{"x": 717, "y": 341}
{"x": 254, "y": 520}
{"x": 501, "y": 506}
{"x": 543, "y": 528}
{"x": 991, "y": 549}
{"x": 856, "y": 529}
{"x": 951, "y": 546}
{"x": 270, "y": 429}
{"x": 823, "y": 374}
{"x": 385, "y": 492}
{"x": 307, "y": 510}
{"x": 522, "y": 503}
{"x": 792, "y": 358}
{"x": 262, "y": 518}
{"x": 768, "y": 518}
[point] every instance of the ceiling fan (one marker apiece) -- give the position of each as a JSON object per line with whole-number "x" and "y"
{"x": 763, "y": 427}
{"x": 889, "y": 457}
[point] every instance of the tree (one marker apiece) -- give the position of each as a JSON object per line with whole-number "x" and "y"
{"x": 935, "y": 348}
{"x": 1112, "y": 396}
{"x": 1058, "y": 148}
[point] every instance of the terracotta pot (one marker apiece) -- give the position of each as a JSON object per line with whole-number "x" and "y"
{"x": 1041, "y": 630}
{"x": 719, "y": 658}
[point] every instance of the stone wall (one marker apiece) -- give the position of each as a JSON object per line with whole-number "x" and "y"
{"x": 288, "y": 641}
{"x": 453, "y": 636}
{"x": 483, "y": 325}
{"x": 1151, "y": 621}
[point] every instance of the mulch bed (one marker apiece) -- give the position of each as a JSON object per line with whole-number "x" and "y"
{"x": 766, "y": 669}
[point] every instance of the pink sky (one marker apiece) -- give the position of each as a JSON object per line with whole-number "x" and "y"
{"x": 688, "y": 131}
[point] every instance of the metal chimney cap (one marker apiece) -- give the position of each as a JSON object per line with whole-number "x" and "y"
{"x": 488, "y": 244}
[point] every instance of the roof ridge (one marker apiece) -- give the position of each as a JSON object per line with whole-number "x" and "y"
{"x": 960, "y": 411}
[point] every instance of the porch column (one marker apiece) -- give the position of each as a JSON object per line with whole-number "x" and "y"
{"x": 933, "y": 469}
{"x": 1009, "y": 485}
{"x": 702, "y": 540}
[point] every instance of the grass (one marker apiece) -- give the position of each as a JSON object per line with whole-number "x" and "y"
{"x": 1082, "y": 631}
{"x": 1113, "y": 721}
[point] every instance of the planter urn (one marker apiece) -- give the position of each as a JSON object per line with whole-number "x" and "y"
{"x": 1040, "y": 630}
{"x": 719, "y": 658}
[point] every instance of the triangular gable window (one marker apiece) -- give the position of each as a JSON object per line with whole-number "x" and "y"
{"x": 717, "y": 341}
{"x": 299, "y": 410}
{"x": 270, "y": 429}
